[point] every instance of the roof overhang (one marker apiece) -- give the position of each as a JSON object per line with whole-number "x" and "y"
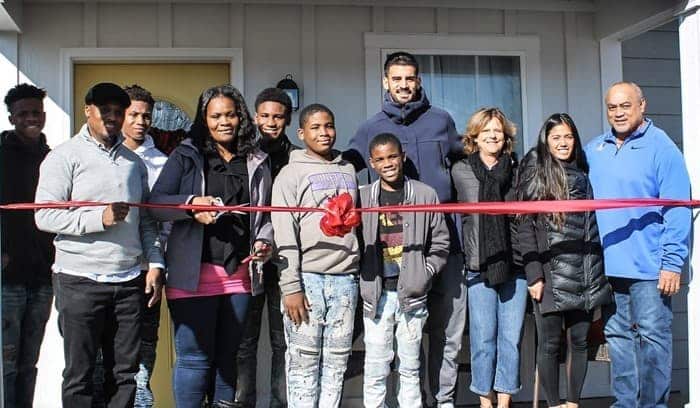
{"x": 7, "y": 23}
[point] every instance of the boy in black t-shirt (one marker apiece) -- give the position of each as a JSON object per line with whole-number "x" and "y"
{"x": 402, "y": 252}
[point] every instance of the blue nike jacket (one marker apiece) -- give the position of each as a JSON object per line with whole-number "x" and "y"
{"x": 639, "y": 242}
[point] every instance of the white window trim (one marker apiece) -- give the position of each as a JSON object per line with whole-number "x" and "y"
{"x": 70, "y": 56}
{"x": 527, "y": 47}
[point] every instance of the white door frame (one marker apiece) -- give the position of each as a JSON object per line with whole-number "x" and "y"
{"x": 70, "y": 56}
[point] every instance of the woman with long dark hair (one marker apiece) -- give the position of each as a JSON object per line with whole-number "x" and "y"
{"x": 496, "y": 292}
{"x": 209, "y": 280}
{"x": 562, "y": 255}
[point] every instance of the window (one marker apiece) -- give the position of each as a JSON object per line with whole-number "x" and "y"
{"x": 462, "y": 73}
{"x": 461, "y": 84}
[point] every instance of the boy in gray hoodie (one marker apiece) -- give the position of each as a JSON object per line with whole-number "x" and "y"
{"x": 317, "y": 273}
{"x": 402, "y": 252}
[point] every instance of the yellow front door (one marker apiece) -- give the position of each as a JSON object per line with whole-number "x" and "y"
{"x": 181, "y": 85}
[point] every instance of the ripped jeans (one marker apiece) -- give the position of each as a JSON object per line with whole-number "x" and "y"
{"x": 317, "y": 351}
{"x": 392, "y": 325}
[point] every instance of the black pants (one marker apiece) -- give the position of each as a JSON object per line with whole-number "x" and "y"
{"x": 549, "y": 331}
{"x": 96, "y": 315}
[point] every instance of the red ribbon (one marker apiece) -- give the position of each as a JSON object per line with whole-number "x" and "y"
{"x": 341, "y": 215}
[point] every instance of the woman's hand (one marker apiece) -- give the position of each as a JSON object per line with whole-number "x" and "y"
{"x": 536, "y": 290}
{"x": 262, "y": 251}
{"x": 297, "y": 306}
{"x": 204, "y": 217}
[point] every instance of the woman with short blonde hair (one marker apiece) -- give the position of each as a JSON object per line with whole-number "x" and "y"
{"x": 496, "y": 292}
{"x": 479, "y": 120}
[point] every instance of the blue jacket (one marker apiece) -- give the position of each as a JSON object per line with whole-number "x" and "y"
{"x": 639, "y": 242}
{"x": 428, "y": 136}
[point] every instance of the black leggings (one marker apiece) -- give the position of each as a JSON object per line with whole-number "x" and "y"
{"x": 549, "y": 332}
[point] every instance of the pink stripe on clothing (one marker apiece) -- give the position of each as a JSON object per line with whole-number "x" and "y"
{"x": 214, "y": 281}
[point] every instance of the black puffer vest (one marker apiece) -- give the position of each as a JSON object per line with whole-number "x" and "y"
{"x": 571, "y": 256}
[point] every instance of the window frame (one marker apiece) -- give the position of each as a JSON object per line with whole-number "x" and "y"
{"x": 525, "y": 47}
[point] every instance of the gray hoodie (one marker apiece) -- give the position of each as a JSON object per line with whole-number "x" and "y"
{"x": 308, "y": 181}
{"x": 83, "y": 170}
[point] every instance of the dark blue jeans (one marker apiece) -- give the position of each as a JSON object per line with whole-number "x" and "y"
{"x": 638, "y": 331}
{"x": 24, "y": 314}
{"x": 247, "y": 354}
{"x": 208, "y": 332}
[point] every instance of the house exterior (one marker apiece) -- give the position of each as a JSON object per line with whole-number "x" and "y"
{"x": 533, "y": 57}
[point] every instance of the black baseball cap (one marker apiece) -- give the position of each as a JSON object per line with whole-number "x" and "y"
{"x": 106, "y": 92}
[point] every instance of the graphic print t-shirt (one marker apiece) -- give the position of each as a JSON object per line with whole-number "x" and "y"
{"x": 391, "y": 233}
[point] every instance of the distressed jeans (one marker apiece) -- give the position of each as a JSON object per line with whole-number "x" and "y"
{"x": 317, "y": 351}
{"x": 639, "y": 335}
{"x": 248, "y": 350}
{"x": 496, "y": 315}
{"x": 389, "y": 325}
{"x": 25, "y": 311}
{"x": 150, "y": 321}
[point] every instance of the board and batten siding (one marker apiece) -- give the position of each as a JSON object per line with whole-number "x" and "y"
{"x": 323, "y": 48}
{"x": 652, "y": 60}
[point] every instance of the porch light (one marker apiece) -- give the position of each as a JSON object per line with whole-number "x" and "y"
{"x": 292, "y": 89}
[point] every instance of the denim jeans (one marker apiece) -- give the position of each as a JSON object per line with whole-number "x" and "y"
{"x": 150, "y": 321}
{"x": 208, "y": 331}
{"x": 25, "y": 311}
{"x": 638, "y": 331}
{"x": 447, "y": 308}
{"x": 496, "y": 316}
{"x": 317, "y": 351}
{"x": 95, "y": 315}
{"x": 248, "y": 350}
{"x": 389, "y": 325}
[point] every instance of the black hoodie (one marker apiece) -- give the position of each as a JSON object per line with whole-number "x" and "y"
{"x": 30, "y": 251}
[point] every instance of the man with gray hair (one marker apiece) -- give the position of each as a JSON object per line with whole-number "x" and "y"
{"x": 644, "y": 248}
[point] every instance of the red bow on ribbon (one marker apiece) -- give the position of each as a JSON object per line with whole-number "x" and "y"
{"x": 340, "y": 217}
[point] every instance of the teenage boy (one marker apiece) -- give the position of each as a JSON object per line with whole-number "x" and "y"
{"x": 317, "y": 272}
{"x": 137, "y": 122}
{"x": 27, "y": 253}
{"x": 97, "y": 273}
{"x": 431, "y": 143}
{"x": 402, "y": 253}
{"x": 273, "y": 113}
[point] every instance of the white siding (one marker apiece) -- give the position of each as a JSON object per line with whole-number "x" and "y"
{"x": 323, "y": 48}
{"x": 652, "y": 60}
{"x": 272, "y": 45}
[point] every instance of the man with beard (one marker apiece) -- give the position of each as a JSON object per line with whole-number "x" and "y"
{"x": 273, "y": 113}
{"x": 97, "y": 276}
{"x": 430, "y": 141}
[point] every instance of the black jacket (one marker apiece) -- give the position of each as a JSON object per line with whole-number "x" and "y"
{"x": 279, "y": 151}
{"x": 30, "y": 251}
{"x": 568, "y": 259}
